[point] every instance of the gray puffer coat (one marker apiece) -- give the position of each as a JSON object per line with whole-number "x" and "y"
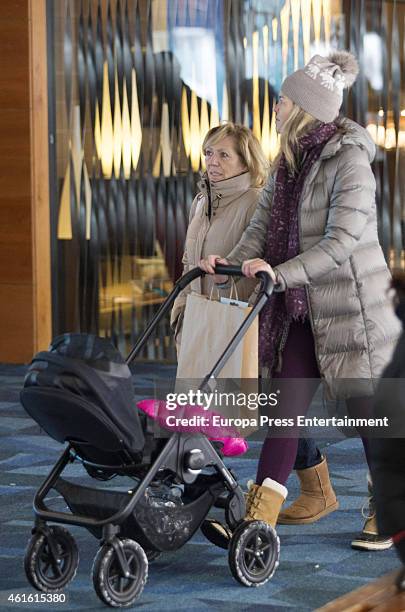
{"x": 341, "y": 264}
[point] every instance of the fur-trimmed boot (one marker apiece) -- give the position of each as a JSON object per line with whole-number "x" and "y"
{"x": 369, "y": 538}
{"x": 317, "y": 497}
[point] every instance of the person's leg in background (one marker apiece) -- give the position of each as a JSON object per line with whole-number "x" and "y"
{"x": 369, "y": 538}
{"x": 388, "y": 473}
{"x": 308, "y": 454}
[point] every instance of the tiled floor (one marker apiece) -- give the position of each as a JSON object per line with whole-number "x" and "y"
{"x": 317, "y": 563}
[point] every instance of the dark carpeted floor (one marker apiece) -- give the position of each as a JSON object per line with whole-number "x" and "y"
{"x": 317, "y": 563}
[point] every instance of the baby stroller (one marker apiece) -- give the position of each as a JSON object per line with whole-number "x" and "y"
{"x": 80, "y": 393}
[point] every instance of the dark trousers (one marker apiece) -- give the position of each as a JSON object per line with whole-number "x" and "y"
{"x": 280, "y": 455}
{"x": 308, "y": 454}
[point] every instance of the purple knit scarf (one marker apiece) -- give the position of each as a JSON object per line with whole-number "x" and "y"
{"x": 283, "y": 243}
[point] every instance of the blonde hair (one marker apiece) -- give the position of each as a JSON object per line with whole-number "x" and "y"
{"x": 247, "y": 147}
{"x": 298, "y": 123}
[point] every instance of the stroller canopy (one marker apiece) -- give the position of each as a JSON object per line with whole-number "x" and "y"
{"x": 90, "y": 368}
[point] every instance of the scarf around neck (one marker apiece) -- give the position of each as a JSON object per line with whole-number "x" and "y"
{"x": 283, "y": 244}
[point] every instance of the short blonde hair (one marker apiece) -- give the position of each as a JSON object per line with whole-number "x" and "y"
{"x": 247, "y": 147}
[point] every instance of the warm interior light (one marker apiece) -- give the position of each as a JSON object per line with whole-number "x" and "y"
{"x": 136, "y": 126}
{"x": 214, "y": 120}
{"x": 386, "y": 138}
{"x": 204, "y": 127}
{"x": 390, "y": 138}
{"x": 274, "y": 137}
{"x": 97, "y": 132}
{"x": 107, "y": 152}
{"x": 117, "y": 130}
{"x": 195, "y": 144}
{"x": 185, "y": 122}
{"x": 126, "y": 134}
{"x": 265, "y": 135}
{"x": 274, "y": 25}
{"x": 64, "y": 217}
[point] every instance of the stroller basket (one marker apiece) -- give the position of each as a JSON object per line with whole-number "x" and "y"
{"x": 158, "y": 522}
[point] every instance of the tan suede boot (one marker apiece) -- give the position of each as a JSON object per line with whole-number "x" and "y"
{"x": 265, "y": 501}
{"x": 317, "y": 498}
{"x": 251, "y": 492}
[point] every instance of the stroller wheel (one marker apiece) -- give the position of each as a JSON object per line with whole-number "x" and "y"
{"x": 254, "y": 553}
{"x": 46, "y": 571}
{"x": 110, "y": 583}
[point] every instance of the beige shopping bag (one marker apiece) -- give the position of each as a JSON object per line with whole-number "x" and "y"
{"x": 208, "y": 327}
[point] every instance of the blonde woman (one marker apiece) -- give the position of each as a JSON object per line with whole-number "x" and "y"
{"x": 230, "y": 189}
{"x": 315, "y": 233}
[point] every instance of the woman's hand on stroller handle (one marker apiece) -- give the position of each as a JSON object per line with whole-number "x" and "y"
{"x": 217, "y": 265}
{"x": 251, "y": 267}
{"x": 208, "y": 265}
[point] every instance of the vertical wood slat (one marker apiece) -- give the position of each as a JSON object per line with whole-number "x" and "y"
{"x": 41, "y": 252}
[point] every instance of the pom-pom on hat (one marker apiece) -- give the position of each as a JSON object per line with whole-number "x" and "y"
{"x": 318, "y": 87}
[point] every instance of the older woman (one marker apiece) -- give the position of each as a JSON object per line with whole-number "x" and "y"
{"x": 236, "y": 171}
{"x": 315, "y": 233}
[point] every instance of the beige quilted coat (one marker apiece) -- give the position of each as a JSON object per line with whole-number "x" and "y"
{"x": 234, "y": 201}
{"x": 341, "y": 263}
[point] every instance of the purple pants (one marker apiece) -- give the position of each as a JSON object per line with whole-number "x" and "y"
{"x": 298, "y": 362}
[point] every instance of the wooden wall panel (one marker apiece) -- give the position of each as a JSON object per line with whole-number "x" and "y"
{"x": 16, "y": 319}
{"x": 14, "y": 85}
{"x": 25, "y": 311}
{"x": 16, "y": 327}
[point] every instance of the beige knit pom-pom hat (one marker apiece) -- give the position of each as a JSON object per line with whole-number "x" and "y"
{"x": 318, "y": 87}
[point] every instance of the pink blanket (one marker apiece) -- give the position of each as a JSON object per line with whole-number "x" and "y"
{"x": 194, "y": 419}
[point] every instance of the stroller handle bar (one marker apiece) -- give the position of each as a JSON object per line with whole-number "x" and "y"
{"x": 264, "y": 277}
{"x": 188, "y": 277}
{"x": 266, "y": 288}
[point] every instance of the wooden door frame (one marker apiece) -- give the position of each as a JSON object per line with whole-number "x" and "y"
{"x": 39, "y": 149}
